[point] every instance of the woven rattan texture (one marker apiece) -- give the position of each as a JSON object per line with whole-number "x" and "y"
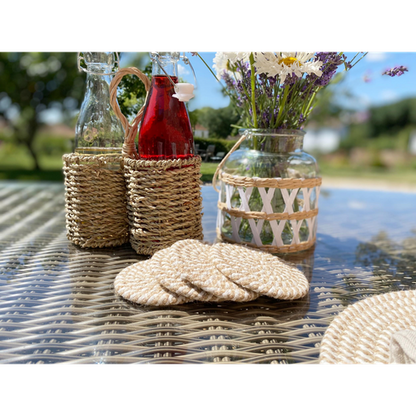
{"x": 164, "y": 202}
{"x": 96, "y": 214}
{"x": 58, "y": 305}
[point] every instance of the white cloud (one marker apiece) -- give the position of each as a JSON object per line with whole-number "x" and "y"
{"x": 376, "y": 56}
{"x": 183, "y": 70}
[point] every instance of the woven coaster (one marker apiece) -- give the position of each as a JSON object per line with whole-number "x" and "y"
{"x": 168, "y": 268}
{"x": 361, "y": 334}
{"x": 139, "y": 284}
{"x": 192, "y": 258}
{"x": 259, "y": 271}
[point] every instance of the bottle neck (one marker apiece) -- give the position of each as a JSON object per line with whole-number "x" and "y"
{"x": 165, "y": 60}
{"x": 98, "y": 84}
{"x": 170, "y": 67}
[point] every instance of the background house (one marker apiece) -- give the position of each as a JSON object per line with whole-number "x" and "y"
{"x": 201, "y": 131}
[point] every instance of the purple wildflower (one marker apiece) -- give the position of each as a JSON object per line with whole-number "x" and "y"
{"x": 396, "y": 71}
{"x": 331, "y": 61}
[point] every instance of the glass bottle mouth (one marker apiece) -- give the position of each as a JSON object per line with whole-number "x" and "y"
{"x": 98, "y": 63}
{"x": 173, "y": 52}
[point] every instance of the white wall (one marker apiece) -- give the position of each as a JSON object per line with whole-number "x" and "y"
{"x": 323, "y": 140}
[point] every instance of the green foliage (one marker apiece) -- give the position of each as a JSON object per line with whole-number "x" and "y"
{"x": 218, "y": 121}
{"x": 389, "y": 119}
{"x": 132, "y": 94}
{"x": 33, "y": 82}
{"x": 388, "y": 127}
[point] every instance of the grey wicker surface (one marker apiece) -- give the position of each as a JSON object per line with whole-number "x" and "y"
{"x": 57, "y": 303}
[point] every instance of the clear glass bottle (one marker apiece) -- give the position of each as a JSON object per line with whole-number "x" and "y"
{"x": 98, "y": 130}
{"x": 268, "y": 153}
{"x": 165, "y": 131}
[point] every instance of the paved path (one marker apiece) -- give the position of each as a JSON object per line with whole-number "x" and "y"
{"x": 348, "y": 183}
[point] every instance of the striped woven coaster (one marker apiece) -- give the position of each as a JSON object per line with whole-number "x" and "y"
{"x": 198, "y": 270}
{"x": 361, "y": 334}
{"x": 259, "y": 271}
{"x": 168, "y": 266}
{"x": 138, "y": 283}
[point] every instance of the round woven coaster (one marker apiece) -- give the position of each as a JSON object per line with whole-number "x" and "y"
{"x": 192, "y": 257}
{"x": 168, "y": 268}
{"x": 259, "y": 271}
{"x": 138, "y": 283}
{"x": 361, "y": 333}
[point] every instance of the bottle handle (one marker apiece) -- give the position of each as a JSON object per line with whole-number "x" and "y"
{"x": 130, "y": 130}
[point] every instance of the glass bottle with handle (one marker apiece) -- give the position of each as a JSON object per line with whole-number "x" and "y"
{"x": 98, "y": 130}
{"x": 165, "y": 131}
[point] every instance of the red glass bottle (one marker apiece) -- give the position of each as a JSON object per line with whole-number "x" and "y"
{"x": 165, "y": 131}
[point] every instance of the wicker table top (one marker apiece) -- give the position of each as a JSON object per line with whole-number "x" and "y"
{"x": 57, "y": 303}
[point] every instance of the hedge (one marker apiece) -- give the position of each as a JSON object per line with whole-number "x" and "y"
{"x": 221, "y": 145}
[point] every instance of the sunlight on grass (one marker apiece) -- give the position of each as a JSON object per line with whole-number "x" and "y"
{"x": 19, "y": 165}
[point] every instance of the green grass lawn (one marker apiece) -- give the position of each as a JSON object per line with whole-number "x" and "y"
{"x": 207, "y": 171}
{"x": 18, "y": 165}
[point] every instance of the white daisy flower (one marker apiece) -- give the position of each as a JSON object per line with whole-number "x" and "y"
{"x": 222, "y": 60}
{"x": 283, "y": 64}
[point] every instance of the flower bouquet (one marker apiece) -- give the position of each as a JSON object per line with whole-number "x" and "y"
{"x": 269, "y": 186}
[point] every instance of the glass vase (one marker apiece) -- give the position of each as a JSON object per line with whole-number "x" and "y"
{"x": 269, "y": 192}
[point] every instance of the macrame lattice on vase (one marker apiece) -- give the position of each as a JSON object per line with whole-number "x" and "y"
{"x": 293, "y": 229}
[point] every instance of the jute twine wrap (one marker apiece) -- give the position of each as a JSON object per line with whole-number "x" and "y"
{"x": 244, "y": 182}
{"x": 164, "y": 200}
{"x": 95, "y": 201}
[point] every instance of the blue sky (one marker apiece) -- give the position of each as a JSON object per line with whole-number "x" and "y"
{"x": 380, "y": 90}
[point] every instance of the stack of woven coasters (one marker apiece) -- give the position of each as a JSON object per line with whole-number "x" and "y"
{"x": 191, "y": 270}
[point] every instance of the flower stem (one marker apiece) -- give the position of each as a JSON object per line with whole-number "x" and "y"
{"x": 253, "y": 90}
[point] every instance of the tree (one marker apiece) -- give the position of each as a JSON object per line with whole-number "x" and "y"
{"x": 32, "y": 83}
{"x": 131, "y": 92}
{"x": 218, "y": 121}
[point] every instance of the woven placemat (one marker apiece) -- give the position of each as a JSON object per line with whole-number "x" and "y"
{"x": 259, "y": 271}
{"x": 138, "y": 283}
{"x": 361, "y": 334}
{"x": 197, "y": 269}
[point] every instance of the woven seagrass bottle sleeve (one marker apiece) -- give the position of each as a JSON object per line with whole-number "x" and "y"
{"x": 95, "y": 200}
